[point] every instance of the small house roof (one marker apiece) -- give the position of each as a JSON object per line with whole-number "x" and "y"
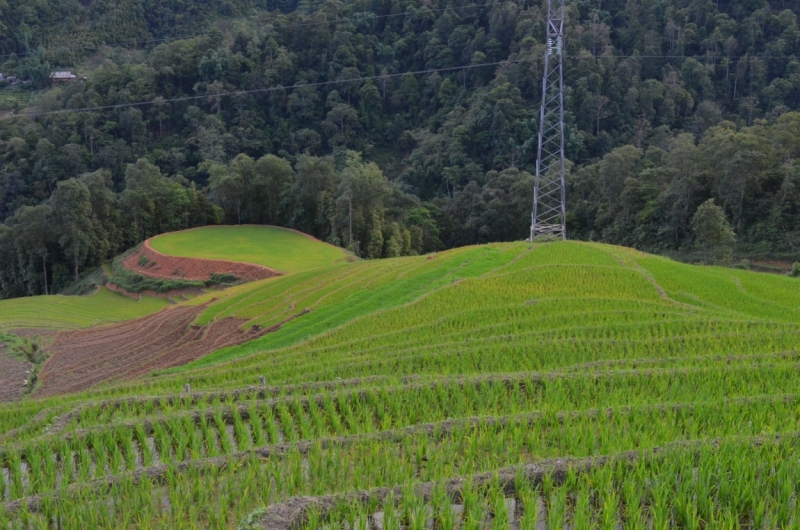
{"x": 63, "y": 75}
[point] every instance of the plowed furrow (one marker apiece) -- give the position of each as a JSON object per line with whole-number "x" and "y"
{"x": 85, "y": 358}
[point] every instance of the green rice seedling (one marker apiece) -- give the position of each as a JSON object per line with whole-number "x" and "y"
{"x": 609, "y": 520}
{"x": 241, "y": 432}
{"x": 659, "y": 505}
{"x": 209, "y": 437}
{"x": 501, "y": 519}
{"x": 196, "y": 443}
{"x": 124, "y": 437}
{"x": 116, "y": 458}
{"x": 557, "y": 507}
{"x": 256, "y": 427}
{"x": 143, "y": 443}
{"x": 85, "y": 466}
{"x": 222, "y": 433}
{"x": 163, "y": 442}
{"x": 287, "y": 424}
{"x": 439, "y": 499}
{"x": 632, "y": 496}
{"x": 391, "y": 519}
{"x": 529, "y": 498}
{"x": 332, "y": 415}
{"x": 356, "y": 516}
{"x": 14, "y": 463}
{"x": 314, "y": 519}
{"x": 179, "y": 438}
{"x": 35, "y": 463}
{"x": 318, "y": 421}
{"x": 582, "y": 510}
{"x": 304, "y": 423}
{"x": 474, "y": 513}
{"x": 273, "y": 432}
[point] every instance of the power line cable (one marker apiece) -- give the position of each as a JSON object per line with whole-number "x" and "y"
{"x": 262, "y": 90}
{"x": 335, "y": 82}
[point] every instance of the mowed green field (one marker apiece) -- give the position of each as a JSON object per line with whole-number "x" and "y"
{"x": 278, "y": 248}
{"x": 500, "y": 386}
{"x": 66, "y": 312}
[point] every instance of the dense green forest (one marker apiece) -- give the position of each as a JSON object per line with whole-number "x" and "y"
{"x": 670, "y": 103}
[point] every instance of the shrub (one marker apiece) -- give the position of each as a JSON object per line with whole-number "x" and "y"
{"x": 136, "y": 283}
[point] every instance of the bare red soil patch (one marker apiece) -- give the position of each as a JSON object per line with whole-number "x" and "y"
{"x": 159, "y": 265}
{"x": 13, "y": 373}
{"x": 84, "y": 358}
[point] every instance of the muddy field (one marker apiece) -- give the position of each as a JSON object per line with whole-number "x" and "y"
{"x": 13, "y": 372}
{"x": 149, "y": 262}
{"x": 84, "y": 358}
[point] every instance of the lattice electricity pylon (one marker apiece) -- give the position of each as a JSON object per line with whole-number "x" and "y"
{"x": 549, "y": 209}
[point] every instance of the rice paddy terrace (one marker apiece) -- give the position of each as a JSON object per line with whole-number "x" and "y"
{"x": 560, "y": 385}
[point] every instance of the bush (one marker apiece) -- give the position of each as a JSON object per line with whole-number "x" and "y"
{"x": 136, "y": 283}
{"x": 224, "y": 279}
{"x": 795, "y": 272}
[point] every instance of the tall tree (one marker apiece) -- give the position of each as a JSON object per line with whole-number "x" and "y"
{"x": 72, "y": 209}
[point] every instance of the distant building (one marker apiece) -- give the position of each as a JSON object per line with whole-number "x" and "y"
{"x": 63, "y": 76}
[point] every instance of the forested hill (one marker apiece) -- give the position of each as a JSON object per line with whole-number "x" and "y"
{"x": 670, "y": 103}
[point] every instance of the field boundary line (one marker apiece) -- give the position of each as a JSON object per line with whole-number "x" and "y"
{"x": 197, "y": 399}
{"x": 422, "y": 344}
{"x": 291, "y": 513}
{"x": 243, "y": 409}
{"x": 434, "y": 429}
{"x": 410, "y": 353}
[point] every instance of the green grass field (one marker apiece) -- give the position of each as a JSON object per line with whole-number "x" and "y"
{"x": 277, "y": 248}
{"x": 568, "y": 384}
{"x": 65, "y": 312}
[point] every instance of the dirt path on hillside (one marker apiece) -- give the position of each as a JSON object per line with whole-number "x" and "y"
{"x": 13, "y": 373}
{"x": 85, "y": 358}
{"x": 150, "y": 262}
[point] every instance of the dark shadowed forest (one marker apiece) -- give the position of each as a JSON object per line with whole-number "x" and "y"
{"x": 670, "y": 104}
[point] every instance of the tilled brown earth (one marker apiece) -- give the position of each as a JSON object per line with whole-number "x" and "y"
{"x": 173, "y": 267}
{"x": 13, "y": 373}
{"x": 84, "y": 358}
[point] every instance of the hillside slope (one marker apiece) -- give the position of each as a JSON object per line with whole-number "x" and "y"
{"x": 514, "y": 360}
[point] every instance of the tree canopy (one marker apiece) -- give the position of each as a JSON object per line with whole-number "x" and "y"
{"x": 311, "y": 115}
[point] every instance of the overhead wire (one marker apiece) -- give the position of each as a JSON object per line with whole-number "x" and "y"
{"x": 263, "y": 90}
{"x": 235, "y": 93}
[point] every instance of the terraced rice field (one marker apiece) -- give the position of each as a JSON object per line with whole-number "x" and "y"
{"x": 68, "y": 312}
{"x": 561, "y": 385}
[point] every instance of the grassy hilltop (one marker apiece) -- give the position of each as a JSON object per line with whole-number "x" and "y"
{"x": 278, "y": 248}
{"x": 526, "y": 362}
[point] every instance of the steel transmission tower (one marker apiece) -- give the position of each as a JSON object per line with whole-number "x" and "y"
{"x": 549, "y": 209}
